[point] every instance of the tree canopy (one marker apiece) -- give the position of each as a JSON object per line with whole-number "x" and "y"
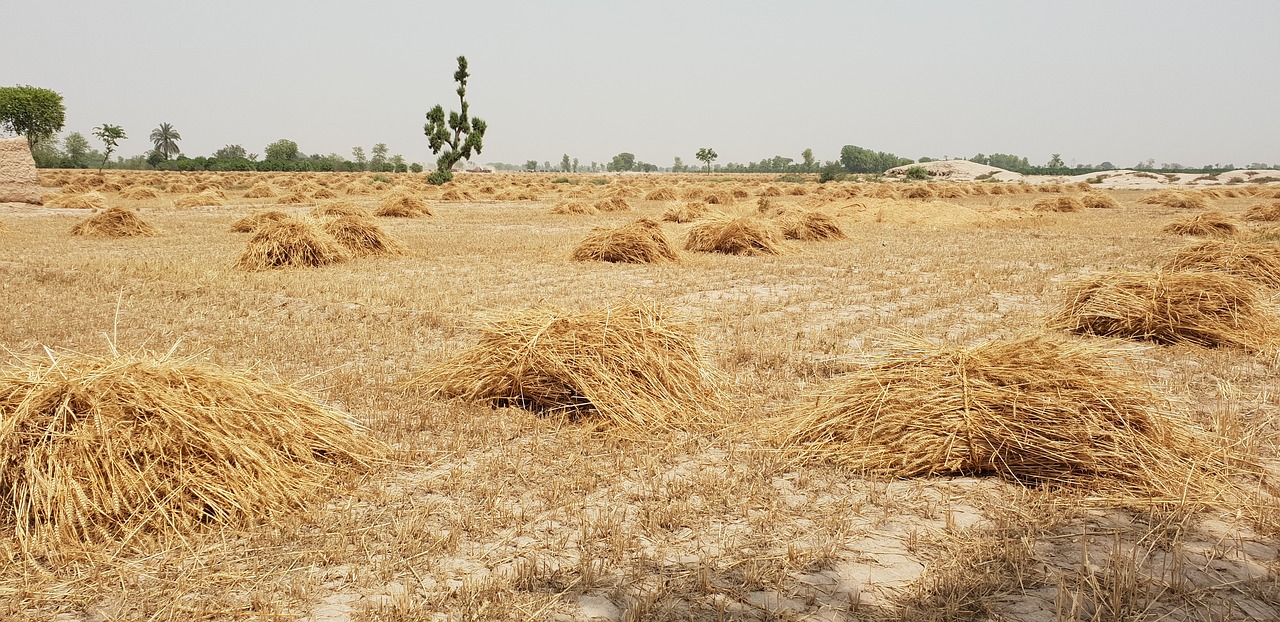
{"x": 33, "y": 112}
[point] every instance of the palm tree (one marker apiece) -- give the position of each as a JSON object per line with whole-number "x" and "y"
{"x": 166, "y": 140}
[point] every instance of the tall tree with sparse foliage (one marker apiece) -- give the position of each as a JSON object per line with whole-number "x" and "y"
{"x": 33, "y": 112}
{"x": 165, "y": 139}
{"x": 707, "y": 155}
{"x": 462, "y": 134}
{"x": 110, "y": 135}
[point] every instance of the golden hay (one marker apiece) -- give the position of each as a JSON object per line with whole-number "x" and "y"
{"x": 809, "y": 226}
{"x": 362, "y": 237}
{"x": 639, "y": 242}
{"x": 1057, "y": 204}
{"x": 116, "y": 450}
{"x": 1034, "y": 410}
{"x": 452, "y": 194}
{"x": 574, "y": 207}
{"x": 202, "y": 199}
{"x": 687, "y": 212}
{"x": 294, "y": 198}
{"x": 1259, "y": 263}
{"x": 250, "y": 223}
{"x": 735, "y": 235}
{"x": 402, "y": 205}
{"x": 1263, "y": 213}
{"x": 718, "y": 197}
{"x": 1203, "y": 308}
{"x": 115, "y": 222}
{"x": 324, "y": 193}
{"x": 88, "y": 200}
{"x": 918, "y": 191}
{"x": 1177, "y": 198}
{"x": 340, "y": 209}
{"x": 633, "y": 364}
{"x": 260, "y": 190}
{"x": 770, "y": 191}
{"x": 613, "y": 204}
{"x": 138, "y": 193}
{"x": 797, "y": 191}
{"x": 1099, "y": 200}
{"x": 289, "y": 244}
{"x": 1208, "y": 223}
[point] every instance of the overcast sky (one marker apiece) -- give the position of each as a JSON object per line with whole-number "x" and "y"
{"x": 1177, "y": 81}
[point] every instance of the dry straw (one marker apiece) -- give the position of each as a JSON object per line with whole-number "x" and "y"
{"x": 1035, "y": 410}
{"x": 1177, "y": 198}
{"x": 88, "y": 200}
{"x": 250, "y": 223}
{"x": 203, "y": 199}
{"x": 341, "y": 208}
{"x": 574, "y": 207}
{"x": 735, "y": 235}
{"x": 115, "y": 222}
{"x": 1208, "y": 223}
{"x": 1099, "y": 200}
{"x": 289, "y": 244}
{"x": 114, "y": 450}
{"x": 1264, "y": 212}
{"x": 809, "y": 226}
{"x": 1202, "y": 308}
{"x": 1259, "y": 263}
{"x": 402, "y": 205}
{"x": 1057, "y": 204}
{"x": 639, "y": 242}
{"x": 633, "y": 365}
{"x": 140, "y": 193}
{"x": 686, "y": 212}
{"x": 362, "y": 237}
{"x": 260, "y": 190}
{"x": 612, "y": 204}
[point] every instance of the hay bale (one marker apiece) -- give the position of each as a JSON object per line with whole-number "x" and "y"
{"x": 362, "y": 237}
{"x": 1177, "y": 198}
{"x": 260, "y": 190}
{"x": 634, "y": 365}
{"x": 574, "y": 207}
{"x": 402, "y": 205}
{"x": 661, "y": 194}
{"x": 1202, "y": 308}
{"x": 104, "y": 450}
{"x": 1057, "y": 204}
{"x": 639, "y": 242}
{"x": 735, "y": 235}
{"x": 687, "y": 212}
{"x": 1099, "y": 200}
{"x": 1208, "y": 223}
{"x": 289, "y": 244}
{"x": 18, "y": 176}
{"x": 115, "y": 222}
{"x": 1033, "y": 410}
{"x": 250, "y": 223}
{"x": 612, "y": 204}
{"x": 140, "y": 193}
{"x": 339, "y": 209}
{"x": 809, "y": 226}
{"x": 1259, "y": 263}
{"x": 1263, "y": 213}
{"x": 88, "y": 200}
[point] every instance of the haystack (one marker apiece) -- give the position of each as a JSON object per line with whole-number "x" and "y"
{"x": 1099, "y": 200}
{"x": 18, "y": 172}
{"x": 1057, "y": 204}
{"x": 289, "y": 244}
{"x": 202, "y": 199}
{"x": 1035, "y": 410}
{"x": 735, "y": 235}
{"x": 639, "y": 242}
{"x": 809, "y": 226}
{"x": 612, "y": 204}
{"x": 341, "y": 208}
{"x": 260, "y": 190}
{"x": 1263, "y": 212}
{"x": 687, "y": 212}
{"x": 1177, "y": 198}
{"x": 362, "y": 237}
{"x": 574, "y": 207}
{"x": 140, "y": 193}
{"x": 918, "y": 191}
{"x": 88, "y": 200}
{"x": 402, "y": 205}
{"x": 109, "y": 450}
{"x": 635, "y": 365}
{"x": 718, "y": 197}
{"x": 770, "y": 191}
{"x": 1259, "y": 263}
{"x": 1208, "y": 223}
{"x": 1204, "y": 308}
{"x": 116, "y": 222}
{"x": 250, "y": 223}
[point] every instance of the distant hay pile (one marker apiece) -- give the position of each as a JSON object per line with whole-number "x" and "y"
{"x": 1202, "y": 308}
{"x": 1057, "y": 204}
{"x": 718, "y": 197}
{"x": 362, "y": 237}
{"x": 1177, "y": 198}
{"x": 735, "y": 235}
{"x": 639, "y": 242}
{"x": 340, "y": 209}
{"x": 661, "y": 194}
{"x": 289, "y": 244}
{"x": 140, "y": 193}
{"x": 402, "y": 205}
{"x": 918, "y": 191}
{"x": 260, "y": 190}
{"x": 574, "y": 207}
{"x": 1099, "y": 200}
{"x": 1208, "y": 223}
{"x": 634, "y": 365}
{"x": 809, "y": 226}
{"x": 1033, "y": 410}
{"x": 19, "y": 179}
{"x": 203, "y": 199}
{"x": 1263, "y": 213}
{"x": 1259, "y": 263}
{"x": 88, "y": 200}
{"x": 250, "y": 223}
{"x": 686, "y": 212}
{"x": 105, "y": 450}
{"x": 612, "y": 204}
{"x": 115, "y": 222}
{"x": 770, "y": 191}
{"x": 294, "y": 198}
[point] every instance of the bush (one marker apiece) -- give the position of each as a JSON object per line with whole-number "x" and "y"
{"x": 599, "y": 182}
{"x": 917, "y": 173}
{"x": 564, "y": 180}
{"x": 791, "y": 179}
{"x": 416, "y": 167}
{"x": 831, "y": 171}
{"x": 439, "y": 178}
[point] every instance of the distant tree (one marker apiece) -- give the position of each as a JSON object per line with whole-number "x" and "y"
{"x": 361, "y": 162}
{"x": 622, "y": 162}
{"x": 231, "y": 152}
{"x": 924, "y": 159}
{"x": 1107, "y": 166}
{"x": 416, "y": 167}
{"x": 76, "y": 147}
{"x": 110, "y": 135}
{"x": 575, "y": 165}
{"x": 859, "y": 160}
{"x": 467, "y": 137}
{"x": 155, "y": 158}
{"x": 283, "y": 150}
{"x": 807, "y": 156}
{"x": 398, "y": 164}
{"x": 165, "y": 139}
{"x": 707, "y": 155}
{"x": 678, "y": 166}
{"x": 831, "y": 171}
{"x": 565, "y": 164}
{"x": 531, "y": 165}
{"x": 378, "y": 158}
{"x": 30, "y": 111}
{"x": 1056, "y": 161}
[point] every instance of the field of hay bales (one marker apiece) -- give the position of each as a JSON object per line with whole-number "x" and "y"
{"x": 394, "y": 401}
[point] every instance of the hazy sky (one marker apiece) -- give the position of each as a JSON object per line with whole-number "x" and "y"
{"x": 1177, "y": 81}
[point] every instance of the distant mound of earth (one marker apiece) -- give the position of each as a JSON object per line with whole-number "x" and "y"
{"x": 958, "y": 170}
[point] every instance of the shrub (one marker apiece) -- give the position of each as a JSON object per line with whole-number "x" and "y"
{"x": 917, "y": 172}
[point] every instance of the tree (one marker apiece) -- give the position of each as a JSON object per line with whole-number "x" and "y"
{"x": 416, "y": 167}
{"x": 468, "y": 133}
{"x": 283, "y": 150}
{"x": 155, "y": 158}
{"x": 622, "y": 162}
{"x": 231, "y": 152}
{"x": 707, "y": 155}
{"x": 110, "y": 135}
{"x": 362, "y": 164}
{"x": 30, "y": 111}
{"x": 1107, "y": 166}
{"x": 677, "y": 166}
{"x": 76, "y": 146}
{"x": 165, "y": 138}
{"x": 807, "y": 155}
{"x": 859, "y": 160}
{"x": 575, "y": 165}
{"x": 565, "y": 165}
{"x": 531, "y": 165}
{"x": 378, "y": 158}
{"x": 397, "y": 164}
{"x": 1056, "y": 161}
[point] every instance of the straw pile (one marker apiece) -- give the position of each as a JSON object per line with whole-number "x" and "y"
{"x": 115, "y": 222}
{"x": 1099, "y": 200}
{"x": 633, "y": 365}
{"x": 402, "y": 205}
{"x": 88, "y": 200}
{"x": 1033, "y": 410}
{"x": 294, "y": 198}
{"x": 809, "y": 226}
{"x": 612, "y": 204}
{"x": 770, "y": 191}
{"x": 718, "y": 197}
{"x": 735, "y": 235}
{"x": 1057, "y": 204}
{"x": 1208, "y": 223}
{"x": 339, "y": 209}
{"x": 362, "y": 237}
{"x": 918, "y": 191}
{"x": 1203, "y": 308}
{"x": 250, "y": 223}
{"x": 289, "y": 244}
{"x": 202, "y": 199}
{"x": 97, "y": 450}
{"x": 574, "y": 207}
{"x": 140, "y": 193}
{"x": 687, "y": 212}
{"x": 260, "y": 190}
{"x": 1259, "y": 263}
{"x": 639, "y": 242}
{"x": 1177, "y": 198}
{"x": 1263, "y": 213}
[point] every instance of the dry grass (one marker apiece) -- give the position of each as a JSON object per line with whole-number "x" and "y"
{"x": 1268, "y": 212}
{"x": 661, "y": 194}
{"x": 250, "y": 223}
{"x": 260, "y": 190}
{"x": 115, "y": 222}
{"x": 88, "y": 200}
{"x": 574, "y": 207}
{"x": 1058, "y": 204}
{"x": 809, "y": 226}
{"x": 203, "y": 199}
{"x": 1202, "y": 308}
{"x": 339, "y": 209}
{"x": 686, "y": 212}
{"x": 639, "y": 242}
{"x": 289, "y": 244}
{"x": 400, "y": 205}
{"x": 1183, "y": 199}
{"x": 1259, "y": 263}
{"x": 1208, "y": 223}
{"x": 362, "y": 237}
{"x": 1099, "y": 200}
{"x": 612, "y": 204}
{"x": 735, "y": 235}
{"x": 140, "y": 193}
{"x": 633, "y": 365}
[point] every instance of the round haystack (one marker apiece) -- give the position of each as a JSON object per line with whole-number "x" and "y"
{"x": 1057, "y": 204}
{"x": 324, "y": 193}
{"x": 260, "y": 190}
{"x": 106, "y": 450}
{"x": 1259, "y": 263}
{"x": 735, "y": 235}
{"x": 362, "y": 237}
{"x": 1203, "y": 308}
{"x": 687, "y": 212}
{"x": 289, "y": 244}
{"x": 1177, "y": 198}
{"x": 612, "y": 204}
{"x": 203, "y": 199}
{"x": 140, "y": 193}
{"x": 1263, "y": 213}
{"x": 1034, "y": 410}
{"x": 1098, "y": 200}
{"x": 340, "y": 209}
{"x": 294, "y": 198}
{"x": 115, "y": 222}
{"x": 770, "y": 191}
{"x": 632, "y": 364}
{"x": 918, "y": 191}
{"x": 250, "y": 223}
{"x": 639, "y": 242}
{"x": 718, "y": 197}
{"x": 809, "y": 226}
{"x": 453, "y": 194}
{"x": 402, "y": 205}
{"x": 87, "y": 200}
{"x": 1208, "y": 223}
{"x": 574, "y": 207}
